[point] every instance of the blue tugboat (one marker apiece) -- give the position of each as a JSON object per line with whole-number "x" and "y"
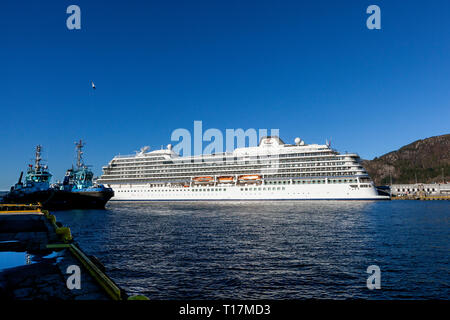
{"x": 35, "y": 188}
{"x": 79, "y": 183}
{"x": 76, "y": 192}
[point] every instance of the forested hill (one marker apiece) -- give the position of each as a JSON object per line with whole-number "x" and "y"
{"x": 425, "y": 160}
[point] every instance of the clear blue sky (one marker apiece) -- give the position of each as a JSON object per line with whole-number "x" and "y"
{"x": 309, "y": 68}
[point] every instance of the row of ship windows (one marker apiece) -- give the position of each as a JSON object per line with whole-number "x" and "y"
{"x": 317, "y": 164}
{"x": 415, "y": 189}
{"x": 175, "y": 189}
{"x": 332, "y": 181}
{"x": 343, "y": 173}
{"x": 319, "y": 181}
{"x": 206, "y": 159}
{"x": 220, "y": 189}
{"x": 227, "y": 164}
{"x": 274, "y": 174}
{"x": 116, "y": 178}
{"x": 130, "y": 173}
{"x": 148, "y": 159}
{"x": 308, "y": 166}
{"x": 230, "y": 164}
{"x": 314, "y": 181}
{"x": 208, "y": 189}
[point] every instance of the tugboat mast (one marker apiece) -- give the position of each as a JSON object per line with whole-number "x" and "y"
{"x": 37, "y": 161}
{"x": 79, "y": 146}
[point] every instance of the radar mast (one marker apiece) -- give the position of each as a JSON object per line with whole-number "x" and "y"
{"x": 37, "y": 161}
{"x": 79, "y": 147}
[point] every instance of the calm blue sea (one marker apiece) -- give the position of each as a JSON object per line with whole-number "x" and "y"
{"x": 270, "y": 250}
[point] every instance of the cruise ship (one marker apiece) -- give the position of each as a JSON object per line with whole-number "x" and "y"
{"x": 273, "y": 170}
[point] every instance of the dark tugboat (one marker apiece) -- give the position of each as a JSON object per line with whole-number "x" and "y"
{"x": 35, "y": 188}
{"x": 78, "y": 183}
{"x": 76, "y": 192}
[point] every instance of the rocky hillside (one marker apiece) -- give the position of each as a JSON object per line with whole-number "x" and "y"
{"x": 424, "y": 159}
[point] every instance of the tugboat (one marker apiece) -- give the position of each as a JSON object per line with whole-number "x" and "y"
{"x": 76, "y": 192}
{"x": 78, "y": 182}
{"x": 36, "y": 187}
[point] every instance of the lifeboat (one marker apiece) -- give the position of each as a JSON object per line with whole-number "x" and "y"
{"x": 250, "y": 178}
{"x": 203, "y": 179}
{"x": 227, "y": 179}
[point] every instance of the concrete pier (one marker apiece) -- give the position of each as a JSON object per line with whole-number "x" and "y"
{"x": 40, "y": 260}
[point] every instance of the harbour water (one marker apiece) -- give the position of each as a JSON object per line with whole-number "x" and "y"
{"x": 270, "y": 250}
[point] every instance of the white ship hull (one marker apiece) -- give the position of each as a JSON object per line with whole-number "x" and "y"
{"x": 248, "y": 192}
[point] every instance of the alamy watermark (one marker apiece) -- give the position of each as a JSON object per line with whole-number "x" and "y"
{"x": 374, "y": 20}
{"x": 193, "y": 144}
{"x": 232, "y": 147}
{"x": 73, "y": 22}
{"x": 74, "y": 280}
{"x": 374, "y": 280}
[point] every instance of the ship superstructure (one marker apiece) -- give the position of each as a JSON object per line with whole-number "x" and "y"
{"x": 37, "y": 177}
{"x": 81, "y": 177}
{"x": 273, "y": 170}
